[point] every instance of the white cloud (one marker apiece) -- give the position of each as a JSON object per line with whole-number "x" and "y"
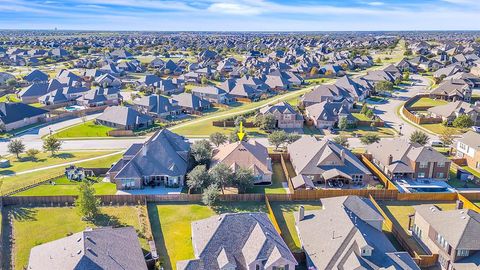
{"x": 375, "y": 3}
{"x": 234, "y": 8}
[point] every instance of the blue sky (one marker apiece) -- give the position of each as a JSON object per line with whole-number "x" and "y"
{"x": 241, "y": 15}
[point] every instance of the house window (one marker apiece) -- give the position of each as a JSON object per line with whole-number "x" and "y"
{"x": 421, "y": 175}
{"x": 280, "y": 267}
{"x": 441, "y": 164}
{"x": 423, "y": 165}
{"x": 443, "y": 243}
{"x": 257, "y": 267}
{"x": 462, "y": 252}
{"x": 440, "y": 175}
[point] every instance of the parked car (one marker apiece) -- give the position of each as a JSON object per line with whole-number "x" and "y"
{"x": 476, "y": 129}
{"x": 436, "y": 143}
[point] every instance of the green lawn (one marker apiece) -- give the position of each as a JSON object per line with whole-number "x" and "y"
{"x": 428, "y": 102}
{"x": 278, "y": 178}
{"x": 44, "y": 160}
{"x": 457, "y": 183}
{"x": 399, "y": 212}
{"x": 439, "y": 128}
{"x": 35, "y": 226}
{"x": 87, "y": 129}
{"x": 202, "y": 126}
{"x": 171, "y": 226}
{"x": 63, "y": 186}
{"x": 284, "y": 214}
{"x": 9, "y": 98}
{"x": 18, "y": 181}
{"x": 361, "y": 117}
{"x": 361, "y": 131}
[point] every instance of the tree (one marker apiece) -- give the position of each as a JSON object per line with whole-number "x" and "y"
{"x": 384, "y": 86}
{"x": 406, "y": 76}
{"x": 16, "y": 147}
{"x": 83, "y": 116}
{"x": 369, "y": 138}
{"x": 11, "y": 82}
{"x": 3, "y": 128}
{"x": 221, "y": 175}
{"x": 277, "y": 138}
{"x": 32, "y": 153}
{"x": 218, "y": 138}
{"x": 204, "y": 80}
{"x": 239, "y": 119}
{"x": 446, "y": 137}
{"x": 343, "y": 123}
{"x": 265, "y": 122}
{"x": 364, "y": 108}
{"x": 233, "y": 137}
{"x": 293, "y": 137}
{"x": 52, "y": 144}
{"x": 86, "y": 202}
{"x": 463, "y": 121}
{"x": 244, "y": 179}
{"x": 198, "y": 178}
{"x": 342, "y": 140}
{"x": 369, "y": 113}
{"x": 202, "y": 151}
{"x": 210, "y": 195}
{"x": 313, "y": 71}
{"x": 419, "y": 137}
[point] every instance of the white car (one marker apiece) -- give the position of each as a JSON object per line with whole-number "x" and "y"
{"x": 436, "y": 143}
{"x": 476, "y": 129}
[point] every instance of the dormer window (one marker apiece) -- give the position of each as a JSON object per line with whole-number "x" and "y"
{"x": 366, "y": 251}
{"x": 462, "y": 252}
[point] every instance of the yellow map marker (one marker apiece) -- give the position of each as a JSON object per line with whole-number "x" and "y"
{"x": 241, "y": 134}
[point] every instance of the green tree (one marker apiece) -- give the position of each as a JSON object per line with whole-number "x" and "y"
{"x": 406, "y": 76}
{"x": 342, "y": 140}
{"x": 32, "y": 153}
{"x": 11, "y": 82}
{"x": 419, "y": 137}
{"x": 202, "y": 151}
{"x": 265, "y": 122}
{"x": 369, "y": 138}
{"x": 244, "y": 179}
{"x": 369, "y": 113}
{"x": 463, "y": 121}
{"x": 198, "y": 178}
{"x": 221, "y": 176}
{"x": 86, "y": 202}
{"x": 3, "y": 128}
{"x": 52, "y": 144}
{"x": 343, "y": 123}
{"x": 210, "y": 195}
{"x": 218, "y": 138}
{"x": 16, "y": 147}
{"x": 364, "y": 108}
{"x": 384, "y": 86}
{"x": 447, "y": 137}
{"x": 239, "y": 119}
{"x": 293, "y": 137}
{"x": 204, "y": 81}
{"x": 277, "y": 138}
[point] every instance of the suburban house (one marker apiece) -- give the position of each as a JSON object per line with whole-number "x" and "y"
{"x": 347, "y": 234}
{"x": 238, "y": 241}
{"x": 191, "y": 103}
{"x": 101, "y": 96}
{"x": 325, "y": 164}
{"x": 282, "y": 80}
{"x": 246, "y": 155}
{"x": 400, "y": 159}
{"x": 213, "y": 94}
{"x": 452, "y": 234}
{"x": 17, "y": 115}
{"x": 101, "y": 248}
{"x": 157, "y": 106}
{"x": 126, "y": 118}
{"x": 327, "y": 114}
{"x": 31, "y": 93}
{"x": 163, "y": 160}
{"x": 36, "y": 76}
{"x": 453, "y": 90}
{"x": 452, "y": 110}
{"x": 468, "y": 147}
{"x": 285, "y": 115}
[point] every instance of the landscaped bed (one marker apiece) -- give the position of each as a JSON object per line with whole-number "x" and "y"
{"x": 399, "y": 212}
{"x": 84, "y": 130}
{"x": 171, "y": 226}
{"x": 35, "y": 226}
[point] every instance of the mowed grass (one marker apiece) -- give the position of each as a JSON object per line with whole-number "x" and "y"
{"x": 440, "y": 128}
{"x": 428, "y": 102}
{"x": 45, "y": 159}
{"x": 18, "y": 181}
{"x": 64, "y": 186}
{"x": 84, "y": 130}
{"x": 36, "y": 226}
{"x": 362, "y": 131}
{"x": 278, "y": 178}
{"x": 361, "y": 117}
{"x": 285, "y": 215}
{"x": 9, "y": 98}
{"x": 171, "y": 226}
{"x": 399, "y": 212}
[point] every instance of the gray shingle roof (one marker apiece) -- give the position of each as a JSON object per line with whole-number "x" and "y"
{"x": 13, "y": 112}
{"x": 124, "y": 116}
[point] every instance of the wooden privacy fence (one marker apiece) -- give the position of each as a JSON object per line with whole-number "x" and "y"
{"x": 272, "y": 215}
{"x": 402, "y": 237}
{"x": 231, "y": 124}
{"x": 427, "y": 196}
{"x": 287, "y": 174}
{"x": 381, "y": 176}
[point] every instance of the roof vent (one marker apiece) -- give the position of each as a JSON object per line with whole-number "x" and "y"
{"x": 79, "y": 251}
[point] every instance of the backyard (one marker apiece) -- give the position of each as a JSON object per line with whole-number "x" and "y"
{"x": 399, "y": 212}
{"x": 36, "y": 226}
{"x": 16, "y": 182}
{"x": 440, "y": 128}
{"x": 64, "y": 186}
{"x": 428, "y": 102}
{"x": 171, "y": 226}
{"x": 83, "y": 130}
{"x": 278, "y": 179}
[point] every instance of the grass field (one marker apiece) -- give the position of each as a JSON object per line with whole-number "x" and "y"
{"x": 284, "y": 213}
{"x": 278, "y": 178}
{"x": 44, "y": 160}
{"x": 63, "y": 186}
{"x": 399, "y": 212}
{"x": 440, "y": 128}
{"x": 87, "y": 129}
{"x": 428, "y": 102}
{"x": 9, "y": 98}
{"x": 361, "y": 131}
{"x": 361, "y": 117}
{"x": 457, "y": 183}
{"x": 171, "y": 226}
{"x": 18, "y": 181}
{"x": 35, "y": 226}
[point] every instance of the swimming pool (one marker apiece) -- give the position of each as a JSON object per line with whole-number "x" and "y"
{"x": 73, "y": 108}
{"x": 428, "y": 189}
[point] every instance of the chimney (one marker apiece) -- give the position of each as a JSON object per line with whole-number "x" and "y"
{"x": 144, "y": 150}
{"x": 390, "y": 159}
{"x": 342, "y": 155}
{"x": 301, "y": 213}
{"x": 459, "y": 204}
